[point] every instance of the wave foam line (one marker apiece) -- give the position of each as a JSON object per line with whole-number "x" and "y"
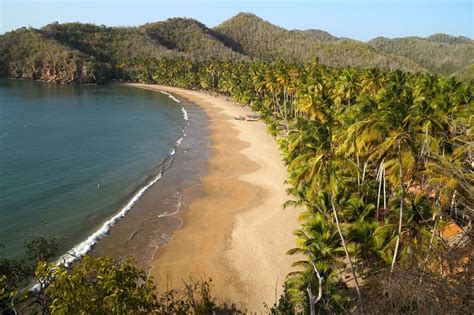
{"x": 171, "y": 96}
{"x": 183, "y": 110}
{"x": 82, "y": 248}
{"x": 185, "y": 113}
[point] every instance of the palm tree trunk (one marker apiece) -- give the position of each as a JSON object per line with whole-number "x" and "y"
{"x": 285, "y": 102}
{"x": 358, "y": 170}
{"x": 363, "y": 171}
{"x": 347, "y": 252}
{"x": 379, "y": 178}
{"x": 429, "y": 249}
{"x": 453, "y": 203}
{"x": 320, "y": 281}
{"x": 310, "y": 298}
{"x": 400, "y": 219}
{"x": 384, "y": 190}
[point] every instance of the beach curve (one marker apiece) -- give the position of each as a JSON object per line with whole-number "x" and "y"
{"x": 235, "y": 230}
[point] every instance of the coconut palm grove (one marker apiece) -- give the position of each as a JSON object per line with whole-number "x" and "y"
{"x": 380, "y": 165}
{"x": 381, "y": 162}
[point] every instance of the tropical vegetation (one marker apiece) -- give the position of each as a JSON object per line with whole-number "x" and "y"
{"x": 34, "y": 285}
{"x": 379, "y": 161}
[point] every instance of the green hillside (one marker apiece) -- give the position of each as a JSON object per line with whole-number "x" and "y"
{"x": 86, "y": 53}
{"x": 107, "y": 44}
{"x": 28, "y": 54}
{"x": 438, "y": 53}
{"x": 191, "y": 37}
{"x": 448, "y": 39}
{"x": 263, "y": 40}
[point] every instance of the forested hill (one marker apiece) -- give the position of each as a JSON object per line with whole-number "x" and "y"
{"x": 28, "y": 54}
{"x": 263, "y": 40}
{"x": 439, "y": 53}
{"x": 86, "y": 53}
{"x": 192, "y": 37}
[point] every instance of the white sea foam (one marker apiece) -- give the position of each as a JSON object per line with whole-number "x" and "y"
{"x": 82, "y": 248}
{"x": 171, "y": 96}
{"x": 185, "y": 113}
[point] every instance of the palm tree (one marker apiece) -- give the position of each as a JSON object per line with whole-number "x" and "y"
{"x": 318, "y": 168}
{"x": 391, "y": 139}
{"x": 318, "y": 240}
{"x": 372, "y": 81}
{"x": 378, "y": 159}
{"x": 347, "y": 87}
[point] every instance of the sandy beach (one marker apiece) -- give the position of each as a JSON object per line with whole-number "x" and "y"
{"x": 234, "y": 228}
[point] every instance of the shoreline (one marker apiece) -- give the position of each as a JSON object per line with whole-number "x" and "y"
{"x": 234, "y": 228}
{"x": 102, "y": 235}
{"x": 152, "y": 221}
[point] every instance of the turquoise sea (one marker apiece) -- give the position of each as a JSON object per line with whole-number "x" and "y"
{"x": 73, "y": 159}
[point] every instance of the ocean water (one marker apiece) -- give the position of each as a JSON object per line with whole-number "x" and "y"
{"x": 74, "y": 159}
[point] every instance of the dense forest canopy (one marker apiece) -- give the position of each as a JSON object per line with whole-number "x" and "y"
{"x": 86, "y": 53}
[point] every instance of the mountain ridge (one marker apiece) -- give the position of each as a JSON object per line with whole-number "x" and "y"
{"x": 263, "y": 40}
{"x": 244, "y": 36}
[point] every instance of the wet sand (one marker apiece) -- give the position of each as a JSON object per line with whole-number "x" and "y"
{"x": 151, "y": 222}
{"x": 234, "y": 228}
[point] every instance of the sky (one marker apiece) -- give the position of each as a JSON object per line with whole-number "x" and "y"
{"x": 362, "y": 20}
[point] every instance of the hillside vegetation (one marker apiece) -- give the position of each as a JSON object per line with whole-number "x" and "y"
{"x": 28, "y": 54}
{"x": 263, "y": 40}
{"x": 87, "y": 53}
{"x": 111, "y": 45}
{"x": 320, "y": 35}
{"x": 438, "y": 53}
{"x": 191, "y": 37}
{"x": 466, "y": 74}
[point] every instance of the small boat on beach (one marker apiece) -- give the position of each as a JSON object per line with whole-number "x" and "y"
{"x": 251, "y": 119}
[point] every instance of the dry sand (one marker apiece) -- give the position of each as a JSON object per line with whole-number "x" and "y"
{"x": 235, "y": 230}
